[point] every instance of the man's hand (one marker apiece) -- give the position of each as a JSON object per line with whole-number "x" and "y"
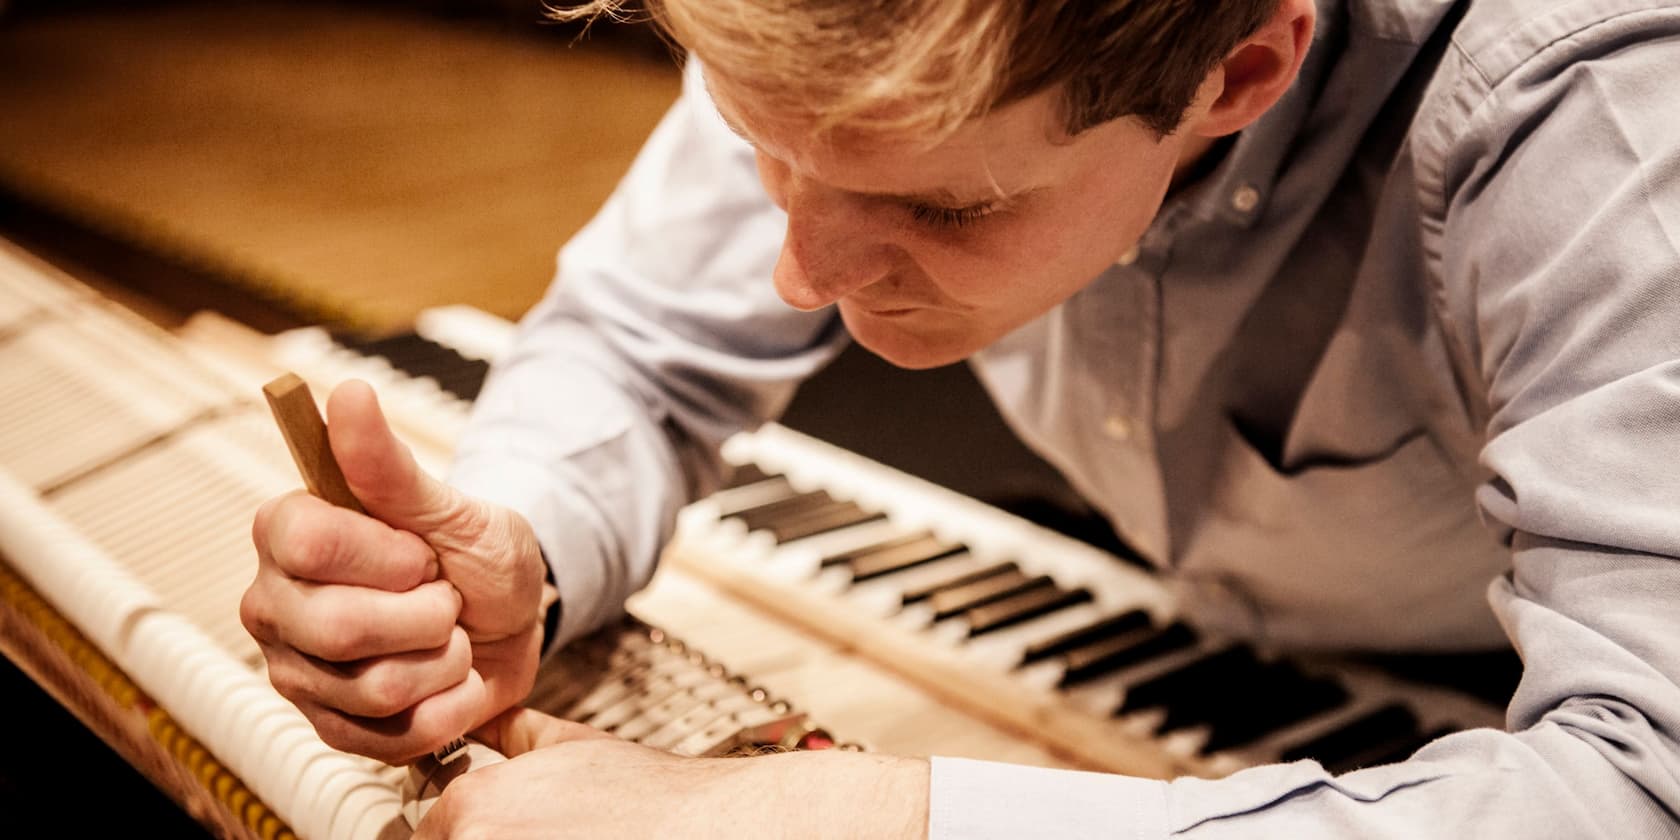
{"x": 565, "y": 779}
{"x": 400, "y": 630}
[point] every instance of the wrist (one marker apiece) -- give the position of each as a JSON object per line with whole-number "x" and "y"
{"x": 834, "y": 793}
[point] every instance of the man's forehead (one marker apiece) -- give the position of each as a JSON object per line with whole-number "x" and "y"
{"x": 1009, "y": 151}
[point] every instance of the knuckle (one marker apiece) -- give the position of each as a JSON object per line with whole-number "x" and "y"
{"x": 288, "y": 684}
{"x": 459, "y": 655}
{"x": 385, "y": 692}
{"x": 445, "y": 608}
{"x": 253, "y": 614}
{"x": 337, "y": 733}
{"x": 340, "y": 635}
{"x": 261, "y": 520}
{"x": 312, "y": 547}
{"x": 413, "y": 557}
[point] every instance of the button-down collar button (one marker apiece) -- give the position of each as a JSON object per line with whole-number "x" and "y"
{"x": 1245, "y": 198}
{"x": 1129, "y": 257}
{"x": 1117, "y": 427}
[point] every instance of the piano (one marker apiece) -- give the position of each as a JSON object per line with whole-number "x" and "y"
{"x": 822, "y": 599}
{"x": 129, "y": 471}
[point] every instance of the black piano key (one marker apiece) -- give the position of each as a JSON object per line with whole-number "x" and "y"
{"x": 1021, "y": 607}
{"x": 1112, "y": 654}
{"x": 961, "y": 599}
{"x": 409, "y": 352}
{"x": 896, "y": 558}
{"x": 758, "y": 516}
{"x": 1352, "y": 745}
{"x": 1126, "y": 622}
{"x": 822, "y": 520}
{"x": 404, "y": 349}
{"x": 1399, "y": 750}
{"x": 743, "y": 474}
{"x": 467, "y": 381}
{"x": 894, "y": 543}
{"x": 1187, "y": 689}
{"x": 353, "y": 342}
{"x": 922, "y": 593}
{"x": 418, "y": 357}
{"x": 1280, "y": 697}
{"x": 1490, "y": 676}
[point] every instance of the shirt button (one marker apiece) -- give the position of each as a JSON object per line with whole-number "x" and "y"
{"x": 1245, "y": 198}
{"x": 1117, "y": 427}
{"x": 1130, "y": 256}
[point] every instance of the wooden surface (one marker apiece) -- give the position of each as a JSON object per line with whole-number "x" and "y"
{"x": 326, "y": 152}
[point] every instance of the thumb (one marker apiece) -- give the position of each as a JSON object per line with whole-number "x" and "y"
{"x": 519, "y": 730}
{"x": 380, "y": 469}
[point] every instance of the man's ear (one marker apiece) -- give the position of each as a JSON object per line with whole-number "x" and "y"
{"x": 1257, "y": 72}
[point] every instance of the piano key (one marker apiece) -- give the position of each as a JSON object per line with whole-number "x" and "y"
{"x": 963, "y": 578}
{"x": 734, "y": 500}
{"x": 1398, "y": 750}
{"x": 884, "y": 595}
{"x": 768, "y": 513}
{"x": 745, "y": 474}
{"x": 1186, "y": 690}
{"x": 1124, "y": 650}
{"x": 1359, "y": 742}
{"x": 1126, "y": 622}
{"x": 912, "y": 542}
{"x": 950, "y": 602}
{"x": 420, "y": 357}
{"x": 894, "y": 555}
{"x": 1026, "y": 605}
{"x": 823, "y": 520}
{"x": 1281, "y": 697}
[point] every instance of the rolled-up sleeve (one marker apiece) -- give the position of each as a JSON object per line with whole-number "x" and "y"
{"x": 660, "y": 336}
{"x": 1549, "y": 177}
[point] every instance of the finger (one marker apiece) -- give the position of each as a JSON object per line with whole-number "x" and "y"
{"x": 347, "y": 623}
{"x": 376, "y": 688}
{"x": 520, "y": 730}
{"x": 380, "y": 469}
{"x": 312, "y": 540}
{"x": 509, "y": 666}
{"x": 417, "y": 731}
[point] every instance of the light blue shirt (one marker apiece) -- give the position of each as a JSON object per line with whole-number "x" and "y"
{"x": 1412, "y": 349}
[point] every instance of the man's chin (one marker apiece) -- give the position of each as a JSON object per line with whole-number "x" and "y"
{"x": 915, "y": 341}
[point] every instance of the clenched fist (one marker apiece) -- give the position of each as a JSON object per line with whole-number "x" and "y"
{"x": 401, "y": 629}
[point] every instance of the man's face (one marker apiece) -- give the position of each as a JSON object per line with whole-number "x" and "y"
{"x": 932, "y": 254}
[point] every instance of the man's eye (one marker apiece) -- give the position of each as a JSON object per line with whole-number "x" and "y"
{"x": 949, "y": 217}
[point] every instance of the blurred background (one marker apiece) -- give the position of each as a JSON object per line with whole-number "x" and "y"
{"x": 350, "y": 164}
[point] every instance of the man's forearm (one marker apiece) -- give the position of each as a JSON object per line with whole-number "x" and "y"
{"x": 834, "y": 794}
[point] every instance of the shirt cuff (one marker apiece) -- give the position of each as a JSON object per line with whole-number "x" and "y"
{"x": 983, "y": 800}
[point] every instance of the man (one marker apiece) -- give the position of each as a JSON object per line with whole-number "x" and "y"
{"x": 1337, "y": 336}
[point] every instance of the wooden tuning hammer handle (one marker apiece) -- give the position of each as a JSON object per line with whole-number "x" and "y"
{"x": 306, "y": 436}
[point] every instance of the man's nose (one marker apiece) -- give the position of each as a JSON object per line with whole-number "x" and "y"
{"x": 831, "y": 249}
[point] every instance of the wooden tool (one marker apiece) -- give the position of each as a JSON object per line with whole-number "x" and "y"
{"x": 306, "y": 436}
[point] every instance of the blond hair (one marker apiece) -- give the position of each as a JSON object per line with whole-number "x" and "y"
{"x": 922, "y": 68}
